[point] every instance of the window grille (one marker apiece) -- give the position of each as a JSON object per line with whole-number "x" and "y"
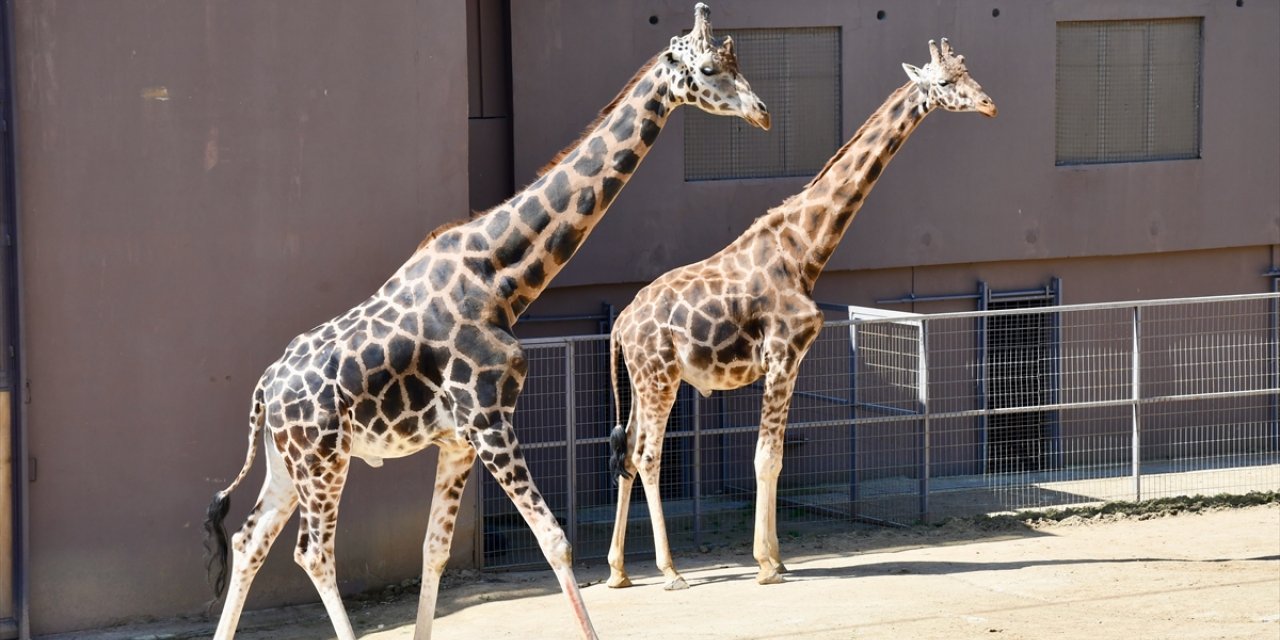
{"x": 796, "y": 72}
{"x": 1128, "y": 90}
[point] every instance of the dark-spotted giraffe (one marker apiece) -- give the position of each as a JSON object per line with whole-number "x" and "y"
{"x": 430, "y": 358}
{"x": 747, "y": 312}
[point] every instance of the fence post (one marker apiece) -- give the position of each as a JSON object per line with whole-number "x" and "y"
{"x": 923, "y": 381}
{"x": 853, "y": 421}
{"x": 1274, "y": 320}
{"x": 571, "y": 443}
{"x": 1136, "y": 360}
{"x": 697, "y": 471}
{"x": 477, "y": 486}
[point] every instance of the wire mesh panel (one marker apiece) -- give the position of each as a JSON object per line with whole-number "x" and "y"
{"x": 540, "y": 426}
{"x": 796, "y": 72}
{"x": 892, "y": 421}
{"x": 1203, "y": 365}
{"x": 1128, "y": 90}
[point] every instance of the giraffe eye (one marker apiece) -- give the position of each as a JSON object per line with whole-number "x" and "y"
{"x": 944, "y": 83}
{"x": 707, "y": 70}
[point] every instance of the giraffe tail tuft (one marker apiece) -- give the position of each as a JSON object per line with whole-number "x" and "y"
{"x": 215, "y": 543}
{"x": 215, "y": 532}
{"x": 618, "y": 453}
{"x": 618, "y": 437}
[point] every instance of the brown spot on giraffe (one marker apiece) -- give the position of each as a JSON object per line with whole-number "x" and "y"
{"x": 752, "y": 301}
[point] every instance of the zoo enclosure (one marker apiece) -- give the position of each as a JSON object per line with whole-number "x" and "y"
{"x": 900, "y": 418}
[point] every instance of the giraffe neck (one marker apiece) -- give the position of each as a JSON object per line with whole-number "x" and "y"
{"x": 547, "y": 221}
{"x": 827, "y": 205}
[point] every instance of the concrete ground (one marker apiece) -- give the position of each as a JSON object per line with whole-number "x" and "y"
{"x": 1213, "y": 574}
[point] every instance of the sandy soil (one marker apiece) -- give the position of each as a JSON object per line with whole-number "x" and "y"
{"x": 1214, "y": 574}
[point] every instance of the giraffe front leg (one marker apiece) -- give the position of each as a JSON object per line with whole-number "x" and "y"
{"x": 501, "y": 455}
{"x": 453, "y": 466}
{"x": 768, "y": 463}
{"x": 653, "y": 401}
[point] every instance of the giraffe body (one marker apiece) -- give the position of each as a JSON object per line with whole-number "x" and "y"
{"x": 747, "y": 313}
{"x": 430, "y": 358}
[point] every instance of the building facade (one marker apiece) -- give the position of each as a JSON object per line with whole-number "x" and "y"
{"x": 189, "y": 185}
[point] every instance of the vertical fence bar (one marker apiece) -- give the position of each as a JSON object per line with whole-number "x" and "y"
{"x": 478, "y": 472}
{"x": 853, "y": 416}
{"x": 722, "y": 422}
{"x": 984, "y": 303}
{"x": 571, "y": 444}
{"x": 922, "y": 379}
{"x": 1136, "y": 378}
{"x": 697, "y": 471}
{"x": 1055, "y": 376}
{"x": 1274, "y": 365}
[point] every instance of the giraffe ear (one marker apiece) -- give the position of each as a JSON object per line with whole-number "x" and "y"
{"x": 914, "y": 74}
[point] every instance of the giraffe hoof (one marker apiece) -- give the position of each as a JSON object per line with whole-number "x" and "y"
{"x": 771, "y": 576}
{"x": 676, "y": 584}
{"x": 619, "y": 581}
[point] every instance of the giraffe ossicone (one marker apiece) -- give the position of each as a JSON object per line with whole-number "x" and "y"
{"x": 430, "y": 358}
{"x": 747, "y": 312}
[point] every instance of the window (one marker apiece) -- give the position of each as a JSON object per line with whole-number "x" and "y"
{"x": 797, "y": 74}
{"x": 1128, "y": 90}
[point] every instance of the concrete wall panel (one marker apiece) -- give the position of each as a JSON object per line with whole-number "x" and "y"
{"x": 201, "y": 182}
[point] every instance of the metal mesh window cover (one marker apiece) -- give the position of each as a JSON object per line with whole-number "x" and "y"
{"x": 796, "y": 72}
{"x": 1128, "y": 90}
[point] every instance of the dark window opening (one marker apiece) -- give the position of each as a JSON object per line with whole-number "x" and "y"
{"x": 1018, "y": 375}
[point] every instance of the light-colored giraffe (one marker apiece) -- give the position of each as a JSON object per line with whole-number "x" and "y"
{"x": 430, "y": 358}
{"x": 747, "y": 312}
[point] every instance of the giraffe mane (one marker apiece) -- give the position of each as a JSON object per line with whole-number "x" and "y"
{"x": 875, "y": 119}
{"x": 604, "y": 113}
{"x": 435, "y": 233}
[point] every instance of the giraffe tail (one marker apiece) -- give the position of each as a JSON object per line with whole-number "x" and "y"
{"x": 215, "y": 532}
{"x": 618, "y": 437}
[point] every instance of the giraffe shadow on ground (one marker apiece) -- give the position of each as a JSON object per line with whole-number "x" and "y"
{"x": 941, "y": 568}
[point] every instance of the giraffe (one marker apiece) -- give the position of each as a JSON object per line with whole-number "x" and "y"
{"x": 747, "y": 312}
{"x": 431, "y": 359}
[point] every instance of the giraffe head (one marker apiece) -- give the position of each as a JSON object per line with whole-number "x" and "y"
{"x": 704, "y": 72}
{"x": 946, "y": 82}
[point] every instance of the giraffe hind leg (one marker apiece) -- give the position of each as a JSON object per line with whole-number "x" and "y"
{"x": 652, "y": 410}
{"x": 618, "y": 577}
{"x": 317, "y": 525}
{"x": 249, "y": 546}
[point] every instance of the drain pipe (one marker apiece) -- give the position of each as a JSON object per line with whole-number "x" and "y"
{"x": 13, "y": 292}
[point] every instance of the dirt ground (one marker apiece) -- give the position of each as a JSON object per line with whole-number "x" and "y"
{"x": 1213, "y": 574}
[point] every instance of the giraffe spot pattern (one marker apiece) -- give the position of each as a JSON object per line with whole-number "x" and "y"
{"x": 429, "y": 358}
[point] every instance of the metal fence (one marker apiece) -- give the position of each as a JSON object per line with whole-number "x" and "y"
{"x": 907, "y": 418}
